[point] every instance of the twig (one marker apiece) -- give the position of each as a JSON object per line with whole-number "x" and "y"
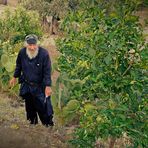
{"x": 127, "y": 69}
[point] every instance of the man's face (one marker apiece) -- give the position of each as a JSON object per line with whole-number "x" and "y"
{"x": 32, "y": 47}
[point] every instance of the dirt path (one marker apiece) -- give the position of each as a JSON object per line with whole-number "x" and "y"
{"x": 15, "y": 131}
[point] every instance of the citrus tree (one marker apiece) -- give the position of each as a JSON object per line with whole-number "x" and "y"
{"x": 103, "y": 66}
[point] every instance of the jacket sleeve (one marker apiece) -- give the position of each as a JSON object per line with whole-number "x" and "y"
{"x": 47, "y": 71}
{"x": 18, "y": 68}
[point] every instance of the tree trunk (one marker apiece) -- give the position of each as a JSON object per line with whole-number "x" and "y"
{"x": 5, "y": 2}
{"x": 112, "y": 142}
{"x": 50, "y": 24}
{"x": 45, "y": 24}
{"x": 54, "y": 26}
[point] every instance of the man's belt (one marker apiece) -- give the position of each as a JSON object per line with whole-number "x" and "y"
{"x": 32, "y": 83}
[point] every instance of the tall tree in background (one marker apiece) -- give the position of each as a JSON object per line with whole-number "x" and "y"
{"x": 51, "y": 11}
{"x": 4, "y": 2}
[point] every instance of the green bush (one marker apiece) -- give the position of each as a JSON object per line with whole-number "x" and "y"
{"x": 145, "y": 3}
{"x": 14, "y": 26}
{"x": 103, "y": 49}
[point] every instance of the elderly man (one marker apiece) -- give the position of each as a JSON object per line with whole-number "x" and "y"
{"x": 33, "y": 68}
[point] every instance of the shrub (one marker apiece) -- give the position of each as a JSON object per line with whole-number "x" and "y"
{"x": 14, "y": 26}
{"x": 105, "y": 53}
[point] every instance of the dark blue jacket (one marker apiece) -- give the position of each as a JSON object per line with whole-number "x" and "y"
{"x": 36, "y": 70}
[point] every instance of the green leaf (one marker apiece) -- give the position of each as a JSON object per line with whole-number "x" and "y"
{"x": 108, "y": 59}
{"x": 9, "y": 67}
{"x": 4, "y": 59}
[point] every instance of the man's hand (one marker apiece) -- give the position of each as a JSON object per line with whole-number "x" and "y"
{"x": 48, "y": 91}
{"x": 12, "y": 82}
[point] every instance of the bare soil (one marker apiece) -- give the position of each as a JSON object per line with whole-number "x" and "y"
{"x": 16, "y": 132}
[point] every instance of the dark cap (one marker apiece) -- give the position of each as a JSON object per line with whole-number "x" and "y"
{"x": 31, "y": 39}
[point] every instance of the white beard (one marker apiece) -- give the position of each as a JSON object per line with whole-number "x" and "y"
{"x": 30, "y": 54}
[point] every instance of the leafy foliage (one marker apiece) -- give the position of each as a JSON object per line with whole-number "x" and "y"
{"x": 56, "y": 8}
{"x": 145, "y": 3}
{"x": 41, "y": 6}
{"x": 14, "y": 26}
{"x": 104, "y": 51}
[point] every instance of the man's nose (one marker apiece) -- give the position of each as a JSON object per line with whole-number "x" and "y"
{"x": 32, "y": 47}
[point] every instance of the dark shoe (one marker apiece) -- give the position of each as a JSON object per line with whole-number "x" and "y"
{"x": 49, "y": 124}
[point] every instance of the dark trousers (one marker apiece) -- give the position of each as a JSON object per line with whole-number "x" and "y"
{"x": 34, "y": 108}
